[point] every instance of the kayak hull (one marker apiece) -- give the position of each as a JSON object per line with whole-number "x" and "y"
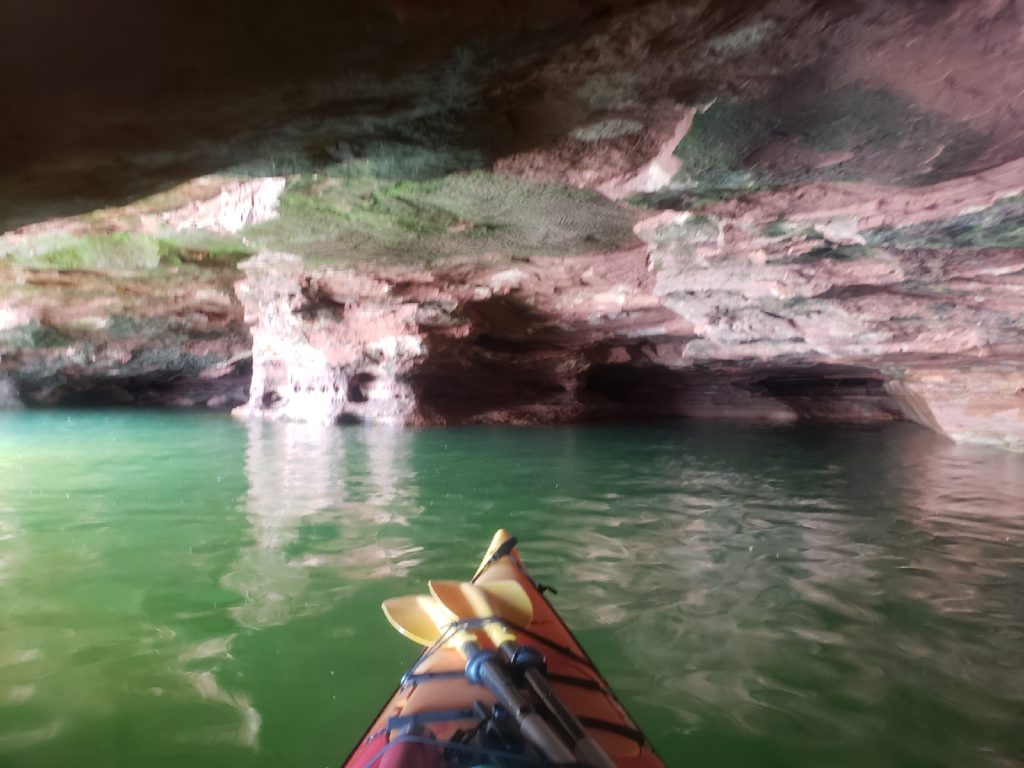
{"x": 435, "y": 696}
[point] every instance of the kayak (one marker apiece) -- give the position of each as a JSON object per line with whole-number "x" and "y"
{"x": 502, "y": 682}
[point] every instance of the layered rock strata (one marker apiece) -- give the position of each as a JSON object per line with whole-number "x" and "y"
{"x": 495, "y": 307}
{"x": 551, "y": 339}
{"x": 134, "y": 305}
{"x": 772, "y": 210}
{"x": 92, "y": 338}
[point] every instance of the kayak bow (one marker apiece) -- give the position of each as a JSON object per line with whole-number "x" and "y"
{"x": 503, "y": 682}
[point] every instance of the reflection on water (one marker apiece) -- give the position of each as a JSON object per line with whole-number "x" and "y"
{"x": 9, "y": 542}
{"x": 190, "y": 589}
{"x": 853, "y": 591}
{"x": 342, "y": 484}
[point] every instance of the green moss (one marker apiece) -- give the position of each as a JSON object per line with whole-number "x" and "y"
{"x": 735, "y": 146}
{"x": 95, "y": 251}
{"x": 127, "y": 326}
{"x": 365, "y": 203}
{"x": 482, "y": 215}
{"x": 125, "y": 251}
{"x": 926, "y": 288}
{"x": 200, "y": 248}
{"x": 67, "y": 257}
{"x": 677, "y": 199}
{"x": 358, "y": 217}
{"x": 692, "y": 229}
{"x": 831, "y": 253}
{"x": 782, "y": 227}
{"x": 34, "y": 335}
{"x": 999, "y": 226}
{"x": 714, "y": 149}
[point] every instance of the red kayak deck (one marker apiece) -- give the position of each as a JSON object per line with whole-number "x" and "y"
{"x": 436, "y": 696}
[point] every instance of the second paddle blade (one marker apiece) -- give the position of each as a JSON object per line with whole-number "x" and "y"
{"x": 505, "y": 600}
{"x": 421, "y": 618}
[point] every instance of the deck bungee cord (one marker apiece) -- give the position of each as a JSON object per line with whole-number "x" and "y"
{"x": 519, "y": 760}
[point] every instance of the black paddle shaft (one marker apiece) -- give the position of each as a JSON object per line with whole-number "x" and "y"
{"x": 486, "y": 668}
{"x": 584, "y": 747}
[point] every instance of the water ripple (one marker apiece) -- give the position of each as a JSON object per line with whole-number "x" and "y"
{"x": 207, "y": 592}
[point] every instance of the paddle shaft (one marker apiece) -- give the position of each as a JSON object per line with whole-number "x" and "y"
{"x": 585, "y": 748}
{"x": 535, "y": 729}
{"x": 425, "y": 619}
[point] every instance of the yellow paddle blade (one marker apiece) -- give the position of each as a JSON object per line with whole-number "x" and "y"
{"x": 500, "y": 537}
{"x": 421, "y": 618}
{"x": 505, "y": 599}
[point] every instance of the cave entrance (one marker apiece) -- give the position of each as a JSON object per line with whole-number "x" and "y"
{"x": 835, "y": 393}
{"x": 520, "y": 366}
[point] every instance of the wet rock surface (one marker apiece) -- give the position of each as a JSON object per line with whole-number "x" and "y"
{"x": 175, "y": 338}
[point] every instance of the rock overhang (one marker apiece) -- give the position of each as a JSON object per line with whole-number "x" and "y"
{"x": 698, "y": 209}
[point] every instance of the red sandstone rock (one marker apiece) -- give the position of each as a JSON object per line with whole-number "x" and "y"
{"x": 828, "y": 226}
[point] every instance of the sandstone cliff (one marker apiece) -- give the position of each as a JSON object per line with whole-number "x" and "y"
{"x": 771, "y": 211}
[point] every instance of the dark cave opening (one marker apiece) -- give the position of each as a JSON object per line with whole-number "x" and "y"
{"x": 515, "y": 363}
{"x": 821, "y": 392}
{"x": 529, "y": 377}
{"x": 358, "y": 386}
{"x": 176, "y": 389}
{"x": 518, "y": 365}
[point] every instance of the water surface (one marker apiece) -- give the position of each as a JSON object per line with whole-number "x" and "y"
{"x": 186, "y": 590}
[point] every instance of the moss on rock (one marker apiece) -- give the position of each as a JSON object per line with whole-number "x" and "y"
{"x": 34, "y": 335}
{"x": 802, "y": 132}
{"x": 354, "y": 219}
{"x": 114, "y": 251}
{"x": 201, "y": 248}
{"x": 998, "y": 226}
{"x": 841, "y": 253}
{"x": 123, "y": 251}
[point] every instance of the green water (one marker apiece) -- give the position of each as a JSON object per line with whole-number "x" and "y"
{"x": 186, "y": 590}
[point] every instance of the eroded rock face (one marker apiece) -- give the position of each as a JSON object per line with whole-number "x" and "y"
{"x": 84, "y": 338}
{"x": 328, "y": 345}
{"x": 132, "y": 306}
{"x": 942, "y": 325}
{"x": 770, "y": 210}
{"x": 548, "y": 339}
